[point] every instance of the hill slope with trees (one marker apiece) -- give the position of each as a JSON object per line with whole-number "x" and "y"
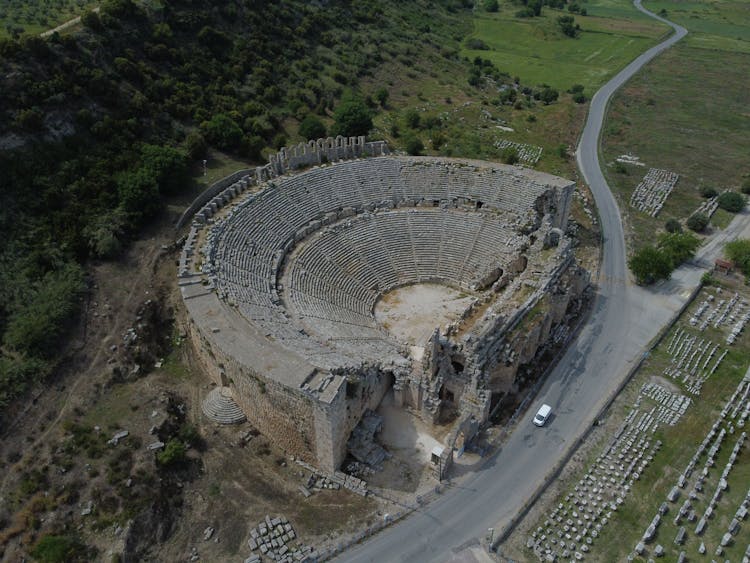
{"x": 97, "y": 128}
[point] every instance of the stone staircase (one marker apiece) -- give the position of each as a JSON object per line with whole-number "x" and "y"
{"x": 221, "y": 408}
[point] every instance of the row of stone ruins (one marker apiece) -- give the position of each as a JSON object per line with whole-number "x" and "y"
{"x": 649, "y": 196}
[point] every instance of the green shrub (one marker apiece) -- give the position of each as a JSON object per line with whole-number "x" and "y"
{"x": 673, "y": 226}
{"x": 173, "y": 454}
{"x": 381, "y": 96}
{"x": 58, "y": 549}
{"x": 412, "y": 118}
{"x": 731, "y": 201}
{"x": 708, "y": 192}
{"x": 413, "y": 145}
{"x": 509, "y": 155}
{"x": 745, "y": 189}
{"x": 697, "y": 222}
{"x": 491, "y": 5}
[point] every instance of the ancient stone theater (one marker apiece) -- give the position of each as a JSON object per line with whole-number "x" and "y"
{"x": 339, "y": 272}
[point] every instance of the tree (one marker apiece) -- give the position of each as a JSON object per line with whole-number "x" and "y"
{"x": 697, "y": 222}
{"x": 745, "y": 189}
{"x": 680, "y": 247}
{"x": 708, "y": 192}
{"x": 222, "y": 132}
{"x": 731, "y": 201}
{"x": 167, "y": 165}
{"x": 650, "y": 264}
{"x": 312, "y": 128}
{"x": 138, "y": 193}
{"x": 412, "y": 118}
{"x": 673, "y": 226}
{"x": 351, "y": 117}
{"x": 195, "y": 145}
{"x": 381, "y": 96}
{"x": 738, "y": 251}
{"x": 37, "y": 325}
{"x": 491, "y": 5}
{"x": 568, "y": 26}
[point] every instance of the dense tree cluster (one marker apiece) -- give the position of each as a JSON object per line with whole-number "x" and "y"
{"x": 654, "y": 263}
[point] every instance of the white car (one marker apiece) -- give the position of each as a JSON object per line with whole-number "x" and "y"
{"x": 542, "y": 415}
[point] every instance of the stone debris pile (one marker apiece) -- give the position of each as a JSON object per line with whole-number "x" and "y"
{"x": 362, "y": 445}
{"x": 349, "y": 482}
{"x": 649, "y": 196}
{"x": 630, "y": 159}
{"x": 527, "y": 153}
{"x": 274, "y": 539}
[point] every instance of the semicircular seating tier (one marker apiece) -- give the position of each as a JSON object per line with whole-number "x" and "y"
{"x": 304, "y": 260}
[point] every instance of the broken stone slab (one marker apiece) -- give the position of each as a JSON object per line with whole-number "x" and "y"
{"x": 700, "y": 527}
{"x": 673, "y": 494}
{"x": 117, "y": 437}
{"x": 659, "y": 551}
{"x": 726, "y": 539}
{"x": 208, "y": 533}
{"x": 155, "y": 446}
{"x": 252, "y": 544}
{"x": 680, "y": 537}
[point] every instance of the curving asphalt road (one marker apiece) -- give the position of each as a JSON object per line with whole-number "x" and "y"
{"x": 624, "y": 319}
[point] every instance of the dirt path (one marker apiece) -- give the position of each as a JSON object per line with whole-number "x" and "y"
{"x": 65, "y": 25}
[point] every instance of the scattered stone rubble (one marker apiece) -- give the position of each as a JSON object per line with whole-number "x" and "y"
{"x": 529, "y": 154}
{"x": 362, "y": 445}
{"x": 337, "y": 480}
{"x": 649, "y": 196}
{"x": 274, "y": 539}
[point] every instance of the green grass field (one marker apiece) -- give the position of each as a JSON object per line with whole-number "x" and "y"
{"x": 32, "y": 17}
{"x": 687, "y": 112}
{"x": 535, "y": 50}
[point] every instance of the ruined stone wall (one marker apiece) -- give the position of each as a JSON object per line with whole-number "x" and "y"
{"x": 336, "y": 416}
{"x": 276, "y": 411}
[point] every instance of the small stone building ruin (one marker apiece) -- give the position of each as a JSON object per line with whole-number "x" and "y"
{"x": 281, "y": 283}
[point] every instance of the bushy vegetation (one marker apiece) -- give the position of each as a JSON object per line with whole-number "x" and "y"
{"x": 99, "y": 127}
{"x": 654, "y": 263}
{"x": 697, "y": 222}
{"x": 731, "y": 201}
{"x": 59, "y": 549}
{"x": 738, "y": 251}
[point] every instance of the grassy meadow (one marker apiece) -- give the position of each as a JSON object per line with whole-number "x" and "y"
{"x": 534, "y": 49}
{"x": 687, "y": 112}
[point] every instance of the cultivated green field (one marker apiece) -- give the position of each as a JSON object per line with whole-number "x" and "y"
{"x": 535, "y": 50}
{"x": 687, "y": 112}
{"x": 34, "y": 16}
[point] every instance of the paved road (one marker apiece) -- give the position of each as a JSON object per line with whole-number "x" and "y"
{"x": 624, "y": 319}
